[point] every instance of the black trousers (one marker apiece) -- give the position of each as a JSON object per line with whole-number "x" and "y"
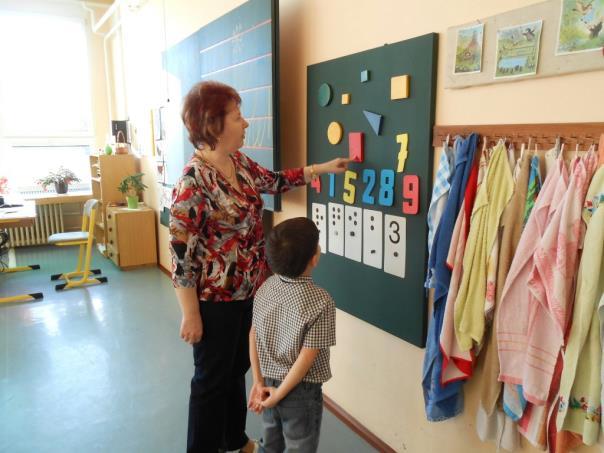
{"x": 218, "y": 404}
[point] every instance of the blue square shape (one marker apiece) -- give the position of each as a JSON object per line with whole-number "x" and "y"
{"x": 364, "y": 75}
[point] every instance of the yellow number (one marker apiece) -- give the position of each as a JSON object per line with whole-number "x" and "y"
{"x": 349, "y": 189}
{"x": 403, "y": 139}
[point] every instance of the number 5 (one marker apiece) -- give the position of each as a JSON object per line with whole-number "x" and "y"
{"x": 349, "y": 188}
{"x": 410, "y": 194}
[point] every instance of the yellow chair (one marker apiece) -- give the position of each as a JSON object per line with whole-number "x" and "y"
{"x": 84, "y": 239}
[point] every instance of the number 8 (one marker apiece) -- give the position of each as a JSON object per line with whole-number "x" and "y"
{"x": 386, "y": 188}
{"x": 410, "y": 194}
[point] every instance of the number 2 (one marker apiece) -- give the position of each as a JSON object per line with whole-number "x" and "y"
{"x": 410, "y": 194}
{"x": 369, "y": 178}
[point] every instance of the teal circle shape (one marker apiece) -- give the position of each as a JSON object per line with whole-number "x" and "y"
{"x": 325, "y": 94}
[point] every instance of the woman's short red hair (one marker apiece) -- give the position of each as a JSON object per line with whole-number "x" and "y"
{"x": 204, "y": 109}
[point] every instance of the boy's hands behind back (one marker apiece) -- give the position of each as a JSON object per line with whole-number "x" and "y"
{"x": 258, "y": 393}
{"x": 271, "y": 397}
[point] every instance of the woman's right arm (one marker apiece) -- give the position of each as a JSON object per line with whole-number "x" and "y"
{"x": 191, "y": 326}
{"x": 187, "y": 215}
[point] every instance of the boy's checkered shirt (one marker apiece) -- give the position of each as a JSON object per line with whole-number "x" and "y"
{"x": 291, "y": 313}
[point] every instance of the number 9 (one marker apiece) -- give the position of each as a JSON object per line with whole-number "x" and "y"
{"x": 410, "y": 194}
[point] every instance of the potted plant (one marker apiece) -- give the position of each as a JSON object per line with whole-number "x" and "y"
{"x": 60, "y": 178}
{"x": 131, "y": 186}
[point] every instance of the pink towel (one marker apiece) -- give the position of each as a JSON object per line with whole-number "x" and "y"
{"x": 517, "y": 313}
{"x": 551, "y": 279}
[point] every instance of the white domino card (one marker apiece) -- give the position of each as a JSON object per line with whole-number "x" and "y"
{"x": 372, "y": 238}
{"x": 335, "y": 228}
{"x": 353, "y": 230}
{"x": 319, "y": 217}
{"x": 395, "y": 245}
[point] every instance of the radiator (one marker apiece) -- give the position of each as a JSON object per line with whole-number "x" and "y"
{"x": 49, "y": 220}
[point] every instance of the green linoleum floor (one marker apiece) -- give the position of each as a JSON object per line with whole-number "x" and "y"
{"x": 101, "y": 369}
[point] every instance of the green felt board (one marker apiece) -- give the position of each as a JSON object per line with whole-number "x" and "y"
{"x": 396, "y": 305}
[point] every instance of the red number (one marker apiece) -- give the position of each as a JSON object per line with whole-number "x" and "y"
{"x": 316, "y": 184}
{"x": 410, "y": 194}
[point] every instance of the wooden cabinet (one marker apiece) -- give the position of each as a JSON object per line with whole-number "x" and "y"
{"x": 131, "y": 239}
{"x": 106, "y": 174}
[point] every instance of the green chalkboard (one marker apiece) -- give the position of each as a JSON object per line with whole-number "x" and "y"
{"x": 353, "y": 270}
{"x": 240, "y": 49}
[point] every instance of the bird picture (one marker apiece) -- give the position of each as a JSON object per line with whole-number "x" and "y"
{"x": 529, "y": 34}
{"x": 583, "y": 7}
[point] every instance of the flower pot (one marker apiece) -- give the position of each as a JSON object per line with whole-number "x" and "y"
{"x": 61, "y": 187}
{"x": 132, "y": 202}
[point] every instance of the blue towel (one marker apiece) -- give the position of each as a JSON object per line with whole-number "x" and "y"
{"x": 445, "y": 402}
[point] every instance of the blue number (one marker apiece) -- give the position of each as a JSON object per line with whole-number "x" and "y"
{"x": 387, "y": 188}
{"x": 332, "y": 185}
{"x": 369, "y": 178}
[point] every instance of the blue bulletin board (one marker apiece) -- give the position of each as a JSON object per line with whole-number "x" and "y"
{"x": 239, "y": 49}
{"x": 377, "y": 107}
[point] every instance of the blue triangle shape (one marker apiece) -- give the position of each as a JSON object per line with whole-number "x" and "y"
{"x": 375, "y": 120}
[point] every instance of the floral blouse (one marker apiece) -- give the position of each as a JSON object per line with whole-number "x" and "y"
{"x": 216, "y": 233}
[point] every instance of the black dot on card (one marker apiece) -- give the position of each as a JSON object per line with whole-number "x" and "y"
{"x": 371, "y": 228}
{"x": 355, "y": 222}
{"x": 339, "y": 217}
{"x": 355, "y": 213}
{"x": 334, "y": 223}
{"x": 372, "y": 218}
{"x": 352, "y": 233}
{"x": 395, "y": 253}
{"x": 373, "y": 251}
{"x": 321, "y": 217}
{"x": 349, "y": 217}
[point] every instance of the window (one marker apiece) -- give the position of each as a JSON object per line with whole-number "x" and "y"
{"x": 45, "y": 107}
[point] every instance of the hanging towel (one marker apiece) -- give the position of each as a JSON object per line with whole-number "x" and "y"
{"x": 551, "y": 281}
{"x": 457, "y": 364}
{"x": 491, "y": 200}
{"x": 516, "y": 314}
{"x": 534, "y": 186}
{"x": 442, "y": 403}
{"x": 440, "y": 194}
{"x": 579, "y": 409}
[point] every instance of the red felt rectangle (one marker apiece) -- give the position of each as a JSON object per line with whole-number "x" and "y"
{"x": 356, "y": 146}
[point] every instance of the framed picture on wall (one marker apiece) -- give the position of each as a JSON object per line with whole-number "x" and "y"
{"x": 518, "y": 50}
{"x": 468, "y": 50}
{"x": 580, "y": 29}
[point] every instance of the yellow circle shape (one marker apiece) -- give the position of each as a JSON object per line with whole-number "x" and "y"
{"x": 334, "y": 132}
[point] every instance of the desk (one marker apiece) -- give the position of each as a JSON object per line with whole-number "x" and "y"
{"x": 21, "y": 216}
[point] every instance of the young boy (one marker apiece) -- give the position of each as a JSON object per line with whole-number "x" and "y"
{"x": 292, "y": 329}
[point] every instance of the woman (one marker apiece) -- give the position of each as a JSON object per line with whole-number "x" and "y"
{"x": 218, "y": 262}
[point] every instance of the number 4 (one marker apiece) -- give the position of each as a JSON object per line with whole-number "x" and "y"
{"x": 410, "y": 194}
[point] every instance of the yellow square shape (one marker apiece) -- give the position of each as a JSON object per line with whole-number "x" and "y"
{"x": 399, "y": 87}
{"x": 346, "y": 98}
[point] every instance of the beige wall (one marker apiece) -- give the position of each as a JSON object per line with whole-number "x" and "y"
{"x": 376, "y": 376}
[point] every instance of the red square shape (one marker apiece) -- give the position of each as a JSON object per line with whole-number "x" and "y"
{"x": 355, "y": 146}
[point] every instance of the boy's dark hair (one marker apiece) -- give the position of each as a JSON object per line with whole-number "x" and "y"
{"x": 291, "y": 245}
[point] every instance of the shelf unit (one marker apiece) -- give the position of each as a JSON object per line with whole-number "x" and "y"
{"x": 131, "y": 236}
{"x": 106, "y": 172}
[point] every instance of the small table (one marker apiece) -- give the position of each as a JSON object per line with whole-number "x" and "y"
{"x": 19, "y": 216}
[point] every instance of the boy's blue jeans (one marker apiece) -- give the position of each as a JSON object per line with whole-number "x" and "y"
{"x": 294, "y": 424}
